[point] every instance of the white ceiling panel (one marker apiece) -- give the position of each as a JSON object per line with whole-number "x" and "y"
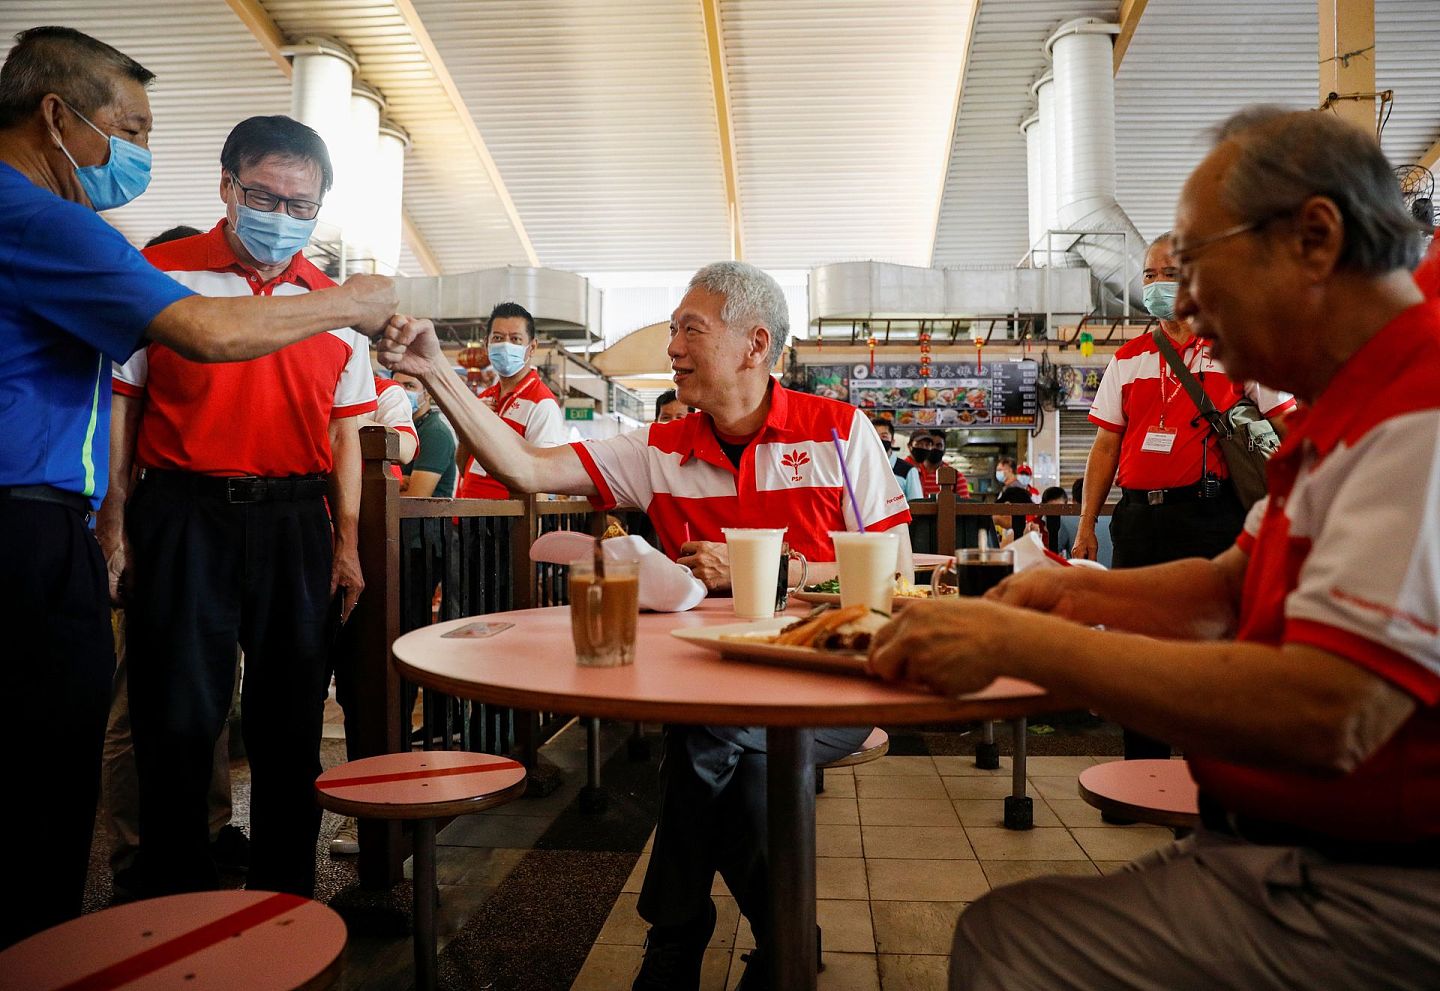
{"x": 842, "y": 112}
{"x": 210, "y": 75}
{"x": 1407, "y": 60}
{"x": 983, "y": 214}
{"x": 601, "y": 119}
{"x": 1191, "y": 64}
{"x": 448, "y": 193}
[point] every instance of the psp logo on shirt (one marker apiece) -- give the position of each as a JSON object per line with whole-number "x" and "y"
{"x": 794, "y": 460}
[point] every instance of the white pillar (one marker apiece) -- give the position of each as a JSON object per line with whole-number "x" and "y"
{"x": 357, "y": 190}
{"x": 388, "y": 187}
{"x": 324, "y": 73}
{"x": 1047, "y": 152}
{"x": 1033, "y": 166}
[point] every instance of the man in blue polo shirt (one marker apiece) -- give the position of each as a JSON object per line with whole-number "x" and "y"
{"x": 74, "y": 133}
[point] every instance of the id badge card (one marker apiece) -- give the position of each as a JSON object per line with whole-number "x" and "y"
{"x": 476, "y": 631}
{"x": 1159, "y": 440}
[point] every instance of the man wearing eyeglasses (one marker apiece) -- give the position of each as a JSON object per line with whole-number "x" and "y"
{"x": 228, "y": 532}
{"x": 1299, "y": 669}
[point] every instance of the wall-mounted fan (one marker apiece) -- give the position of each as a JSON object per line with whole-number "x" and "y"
{"x": 1417, "y": 186}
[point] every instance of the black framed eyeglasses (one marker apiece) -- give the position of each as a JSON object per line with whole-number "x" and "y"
{"x": 267, "y": 202}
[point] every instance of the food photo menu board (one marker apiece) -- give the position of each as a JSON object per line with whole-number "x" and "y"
{"x": 956, "y": 394}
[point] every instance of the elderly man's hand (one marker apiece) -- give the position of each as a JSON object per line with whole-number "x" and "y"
{"x": 376, "y": 297}
{"x": 1041, "y": 589}
{"x": 1087, "y": 545}
{"x": 409, "y": 345}
{"x": 708, "y": 561}
{"x": 949, "y": 647}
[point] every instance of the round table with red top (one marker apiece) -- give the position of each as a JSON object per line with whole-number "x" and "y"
{"x": 532, "y": 666}
{"x": 259, "y": 940}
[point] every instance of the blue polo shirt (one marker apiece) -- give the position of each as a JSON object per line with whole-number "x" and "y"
{"x": 76, "y": 296}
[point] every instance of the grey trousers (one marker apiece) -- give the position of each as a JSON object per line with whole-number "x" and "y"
{"x": 119, "y": 782}
{"x": 1209, "y": 912}
{"x": 713, "y": 818}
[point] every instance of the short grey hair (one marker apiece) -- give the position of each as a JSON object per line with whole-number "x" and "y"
{"x": 752, "y": 299}
{"x": 79, "y": 69}
{"x": 1168, "y": 238}
{"x": 1287, "y": 156}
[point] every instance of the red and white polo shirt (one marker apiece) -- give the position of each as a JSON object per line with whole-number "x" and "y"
{"x": 269, "y": 416}
{"x": 1139, "y": 386}
{"x": 531, "y": 411}
{"x": 1345, "y": 556}
{"x": 392, "y": 409}
{"x": 789, "y": 475}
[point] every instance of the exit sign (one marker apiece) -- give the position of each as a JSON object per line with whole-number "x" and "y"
{"x": 580, "y": 412}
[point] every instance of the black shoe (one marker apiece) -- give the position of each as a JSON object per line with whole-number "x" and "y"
{"x": 231, "y": 849}
{"x": 673, "y": 955}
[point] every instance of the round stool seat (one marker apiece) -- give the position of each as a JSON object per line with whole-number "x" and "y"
{"x": 876, "y": 745}
{"x": 203, "y": 940}
{"x": 1155, "y": 791}
{"x": 423, "y": 784}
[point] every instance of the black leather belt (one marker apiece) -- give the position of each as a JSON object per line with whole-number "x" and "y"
{"x": 1266, "y": 832}
{"x": 48, "y": 493}
{"x": 242, "y": 489}
{"x": 1165, "y": 497}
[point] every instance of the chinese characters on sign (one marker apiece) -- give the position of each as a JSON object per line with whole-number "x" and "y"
{"x": 956, "y": 394}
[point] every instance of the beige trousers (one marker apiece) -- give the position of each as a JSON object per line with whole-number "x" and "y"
{"x": 1209, "y": 912}
{"x": 119, "y": 784}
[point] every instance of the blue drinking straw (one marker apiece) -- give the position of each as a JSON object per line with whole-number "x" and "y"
{"x": 845, "y": 474}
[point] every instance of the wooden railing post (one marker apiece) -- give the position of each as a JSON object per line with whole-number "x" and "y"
{"x": 945, "y": 510}
{"x": 522, "y": 570}
{"x": 364, "y": 645}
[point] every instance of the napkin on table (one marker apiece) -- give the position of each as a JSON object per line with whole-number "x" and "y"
{"x": 664, "y": 585}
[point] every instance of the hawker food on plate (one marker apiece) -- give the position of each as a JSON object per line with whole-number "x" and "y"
{"x": 849, "y": 629}
{"x": 924, "y": 395}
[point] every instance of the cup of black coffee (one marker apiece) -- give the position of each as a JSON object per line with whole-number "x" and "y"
{"x": 976, "y": 570}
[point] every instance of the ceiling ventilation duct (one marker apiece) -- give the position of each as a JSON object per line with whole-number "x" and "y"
{"x": 1084, "y": 145}
{"x": 565, "y": 306}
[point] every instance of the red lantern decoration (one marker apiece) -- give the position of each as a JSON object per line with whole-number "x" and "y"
{"x": 924, "y": 354}
{"x": 473, "y": 356}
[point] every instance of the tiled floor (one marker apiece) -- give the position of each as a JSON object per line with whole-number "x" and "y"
{"x": 903, "y": 845}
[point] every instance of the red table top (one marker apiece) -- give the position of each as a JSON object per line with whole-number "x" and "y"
{"x": 257, "y": 940}
{"x": 532, "y": 666}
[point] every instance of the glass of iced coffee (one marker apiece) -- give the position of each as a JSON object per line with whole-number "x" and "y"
{"x": 603, "y": 612}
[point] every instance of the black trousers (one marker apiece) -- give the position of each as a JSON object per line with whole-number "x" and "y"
{"x": 713, "y": 818}
{"x": 55, "y": 677}
{"x": 1143, "y": 535}
{"x": 209, "y": 574}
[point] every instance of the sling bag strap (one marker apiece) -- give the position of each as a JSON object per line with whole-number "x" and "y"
{"x": 1197, "y": 395}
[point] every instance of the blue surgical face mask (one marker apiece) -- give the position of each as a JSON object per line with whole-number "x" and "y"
{"x": 508, "y": 359}
{"x": 123, "y": 176}
{"x": 1160, "y": 299}
{"x": 1023, "y": 479}
{"x": 271, "y": 238}
{"x": 414, "y": 398}
{"x": 999, "y": 474}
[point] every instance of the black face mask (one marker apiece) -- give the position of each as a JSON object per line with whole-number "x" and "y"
{"x": 934, "y": 457}
{"x": 889, "y": 447}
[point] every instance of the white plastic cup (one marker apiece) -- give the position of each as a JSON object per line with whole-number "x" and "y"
{"x": 754, "y": 558}
{"x": 867, "y": 563}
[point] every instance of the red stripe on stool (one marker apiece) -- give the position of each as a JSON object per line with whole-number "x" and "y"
{"x": 433, "y": 772}
{"x": 174, "y": 950}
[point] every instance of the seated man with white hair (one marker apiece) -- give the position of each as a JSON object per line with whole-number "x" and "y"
{"x": 733, "y": 464}
{"x": 1300, "y": 669}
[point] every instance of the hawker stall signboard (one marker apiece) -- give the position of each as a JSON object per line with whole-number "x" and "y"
{"x": 956, "y": 394}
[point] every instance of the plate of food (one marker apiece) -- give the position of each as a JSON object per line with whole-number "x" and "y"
{"x": 828, "y": 594}
{"x": 829, "y": 639}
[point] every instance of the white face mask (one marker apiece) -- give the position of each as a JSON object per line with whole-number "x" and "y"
{"x": 1023, "y": 479}
{"x": 999, "y": 474}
